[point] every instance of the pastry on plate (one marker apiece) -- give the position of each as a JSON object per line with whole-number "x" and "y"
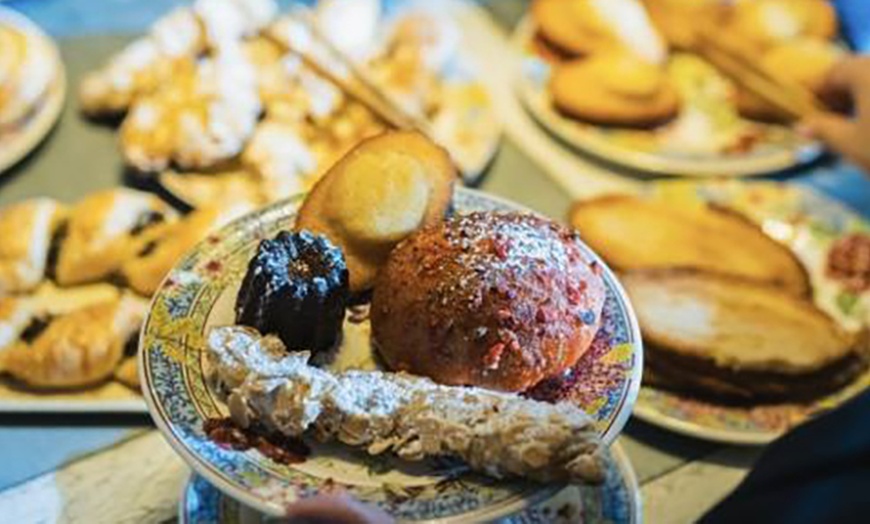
{"x": 764, "y": 23}
{"x": 501, "y": 435}
{"x": 614, "y": 90}
{"x": 804, "y": 61}
{"x": 296, "y": 287}
{"x": 154, "y": 252}
{"x": 100, "y": 231}
{"x": 75, "y": 350}
{"x": 383, "y": 190}
{"x": 170, "y": 49}
{"x": 729, "y": 338}
{"x": 635, "y": 233}
{"x": 589, "y": 27}
{"x": 201, "y": 119}
{"x": 26, "y": 230}
{"x": 677, "y": 19}
{"x": 28, "y": 67}
{"x": 500, "y": 301}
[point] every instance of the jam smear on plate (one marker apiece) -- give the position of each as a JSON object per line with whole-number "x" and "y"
{"x": 281, "y": 449}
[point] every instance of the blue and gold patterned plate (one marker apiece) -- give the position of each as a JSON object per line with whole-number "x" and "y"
{"x": 707, "y": 139}
{"x": 617, "y": 501}
{"x": 200, "y": 293}
{"x": 810, "y": 225}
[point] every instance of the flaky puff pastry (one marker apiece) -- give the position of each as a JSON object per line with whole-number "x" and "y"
{"x": 26, "y": 230}
{"x": 614, "y": 90}
{"x": 203, "y": 118}
{"x": 78, "y": 349}
{"x": 100, "y": 233}
{"x": 156, "y": 251}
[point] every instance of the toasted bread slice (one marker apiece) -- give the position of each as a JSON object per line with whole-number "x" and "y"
{"x": 735, "y": 324}
{"x": 634, "y": 233}
{"x": 380, "y": 192}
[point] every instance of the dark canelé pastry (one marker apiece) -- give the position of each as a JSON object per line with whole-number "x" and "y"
{"x": 296, "y": 287}
{"x": 497, "y": 300}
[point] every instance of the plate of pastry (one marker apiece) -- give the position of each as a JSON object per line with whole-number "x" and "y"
{"x": 753, "y": 299}
{"x": 32, "y": 86}
{"x": 74, "y": 287}
{"x": 620, "y": 81}
{"x": 617, "y": 501}
{"x": 213, "y": 111}
{"x": 435, "y": 351}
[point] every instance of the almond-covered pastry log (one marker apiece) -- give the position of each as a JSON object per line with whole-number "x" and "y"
{"x": 495, "y": 433}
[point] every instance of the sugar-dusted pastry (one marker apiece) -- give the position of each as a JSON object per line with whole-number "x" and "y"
{"x": 614, "y": 90}
{"x": 380, "y": 192}
{"x": 804, "y": 61}
{"x": 280, "y": 154}
{"x": 226, "y": 22}
{"x": 586, "y": 27}
{"x": 495, "y": 300}
{"x": 28, "y": 66}
{"x": 155, "y": 251}
{"x": 201, "y": 119}
{"x": 144, "y": 65}
{"x": 677, "y": 20}
{"x": 26, "y": 230}
{"x": 100, "y": 231}
{"x": 75, "y": 350}
{"x": 127, "y": 373}
{"x": 501, "y": 435}
{"x": 763, "y": 23}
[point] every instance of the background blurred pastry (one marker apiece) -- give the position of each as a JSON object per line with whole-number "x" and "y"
{"x": 677, "y": 20}
{"x": 615, "y": 89}
{"x": 803, "y": 61}
{"x": 764, "y": 23}
{"x": 28, "y": 67}
{"x": 587, "y": 27}
{"x": 26, "y": 230}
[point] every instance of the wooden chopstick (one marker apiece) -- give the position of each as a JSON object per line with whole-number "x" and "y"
{"x": 792, "y": 98}
{"x": 361, "y": 77}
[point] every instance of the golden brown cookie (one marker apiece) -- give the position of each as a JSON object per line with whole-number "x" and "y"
{"x": 586, "y": 27}
{"x": 614, "y": 90}
{"x": 805, "y": 62}
{"x": 674, "y": 18}
{"x": 764, "y": 23}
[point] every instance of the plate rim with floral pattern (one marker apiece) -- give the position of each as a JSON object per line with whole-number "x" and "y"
{"x": 590, "y": 139}
{"x": 178, "y": 399}
{"x": 777, "y": 201}
{"x": 19, "y": 142}
{"x": 202, "y": 503}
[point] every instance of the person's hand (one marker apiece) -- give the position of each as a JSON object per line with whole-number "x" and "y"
{"x": 338, "y": 508}
{"x": 847, "y": 88}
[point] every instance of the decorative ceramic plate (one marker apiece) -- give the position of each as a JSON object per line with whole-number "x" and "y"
{"x": 708, "y": 138}
{"x": 23, "y": 138}
{"x": 200, "y": 293}
{"x": 809, "y": 224}
{"x": 615, "y": 502}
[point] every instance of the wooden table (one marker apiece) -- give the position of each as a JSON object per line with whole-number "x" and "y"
{"x": 114, "y": 468}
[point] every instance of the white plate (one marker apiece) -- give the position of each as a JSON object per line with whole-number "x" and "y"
{"x": 658, "y": 151}
{"x": 17, "y": 143}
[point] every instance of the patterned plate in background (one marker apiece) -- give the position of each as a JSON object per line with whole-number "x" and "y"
{"x": 809, "y": 224}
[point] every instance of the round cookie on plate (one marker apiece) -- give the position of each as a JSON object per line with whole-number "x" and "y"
{"x": 615, "y": 89}
{"x": 764, "y": 23}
